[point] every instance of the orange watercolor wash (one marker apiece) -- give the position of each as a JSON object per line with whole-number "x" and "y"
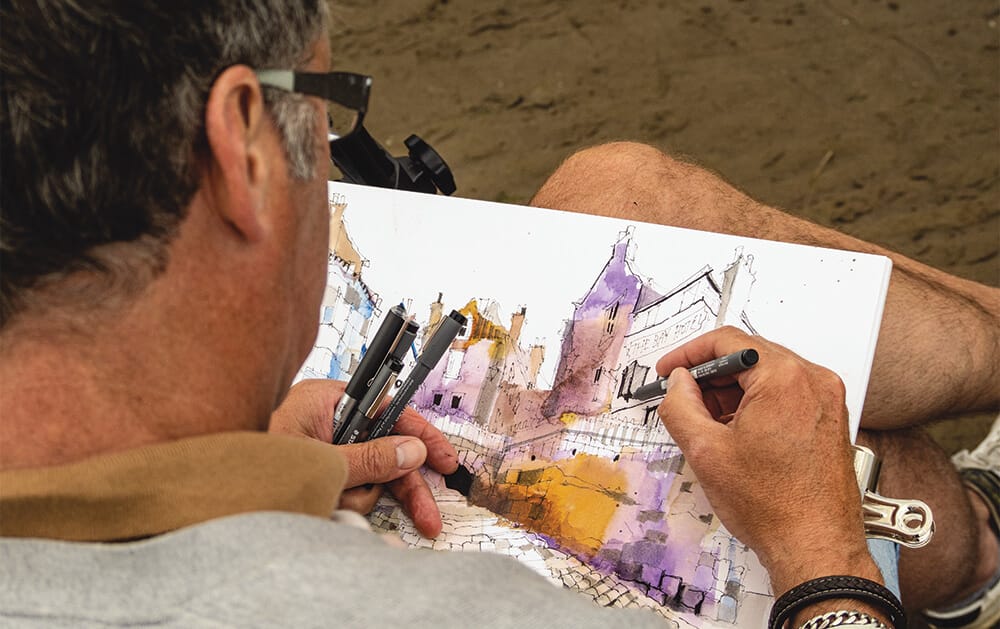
{"x": 581, "y": 496}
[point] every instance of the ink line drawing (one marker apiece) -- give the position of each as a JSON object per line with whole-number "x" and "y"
{"x": 584, "y": 476}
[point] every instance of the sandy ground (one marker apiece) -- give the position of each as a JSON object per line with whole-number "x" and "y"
{"x": 879, "y": 118}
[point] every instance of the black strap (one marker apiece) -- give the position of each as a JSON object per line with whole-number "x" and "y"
{"x": 826, "y": 588}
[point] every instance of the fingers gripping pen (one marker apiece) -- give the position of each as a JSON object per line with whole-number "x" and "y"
{"x": 723, "y": 366}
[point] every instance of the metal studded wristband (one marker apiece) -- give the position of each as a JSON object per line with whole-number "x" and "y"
{"x": 827, "y": 588}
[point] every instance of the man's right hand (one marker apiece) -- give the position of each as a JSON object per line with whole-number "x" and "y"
{"x": 779, "y": 473}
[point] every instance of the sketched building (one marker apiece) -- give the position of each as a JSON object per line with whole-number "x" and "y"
{"x": 484, "y": 357}
{"x": 619, "y": 328}
{"x": 593, "y": 337}
{"x": 348, "y": 305}
{"x": 622, "y": 325}
{"x": 695, "y": 306}
{"x": 597, "y": 471}
{"x": 576, "y": 463}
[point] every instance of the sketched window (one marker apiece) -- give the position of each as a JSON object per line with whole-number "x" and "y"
{"x": 437, "y": 399}
{"x": 639, "y": 375}
{"x": 456, "y": 401}
{"x": 453, "y": 368}
{"x": 597, "y": 374}
{"x": 650, "y": 414}
{"x": 633, "y": 376}
{"x": 624, "y": 387}
{"x": 610, "y": 314}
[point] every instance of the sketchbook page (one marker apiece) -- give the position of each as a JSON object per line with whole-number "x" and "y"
{"x": 567, "y": 315}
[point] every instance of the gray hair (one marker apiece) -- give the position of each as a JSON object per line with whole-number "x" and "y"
{"x": 102, "y": 137}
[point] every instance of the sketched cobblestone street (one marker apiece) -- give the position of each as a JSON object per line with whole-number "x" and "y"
{"x": 468, "y": 528}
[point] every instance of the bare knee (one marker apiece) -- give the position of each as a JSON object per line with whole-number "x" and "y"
{"x": 640, "y": 182}
{"x": 620, "y": 158}
{"x": 606, "y": 179}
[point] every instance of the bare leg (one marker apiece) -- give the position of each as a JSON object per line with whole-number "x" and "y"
{"x": 962, "y": 555}
{"x": 947, "y": 325}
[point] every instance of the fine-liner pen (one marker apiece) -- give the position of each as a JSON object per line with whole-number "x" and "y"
{"x": 722, "y": 366}
{"x": 368, "y": 405}
{"x": 370, "y": 408}
{"x": 386, "y": 336}
{"x": 436, "y": 346}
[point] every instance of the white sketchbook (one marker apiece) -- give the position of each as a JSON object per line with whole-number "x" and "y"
{"x": 567, "y": 315}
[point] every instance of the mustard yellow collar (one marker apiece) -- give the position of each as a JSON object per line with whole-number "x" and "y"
{"x": 154, "y": 489}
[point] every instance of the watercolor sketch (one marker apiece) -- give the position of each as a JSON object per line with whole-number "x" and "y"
{"x": 567, "y": 315}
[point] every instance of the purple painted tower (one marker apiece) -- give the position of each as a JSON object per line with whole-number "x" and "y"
{"x": 585, "y": 377}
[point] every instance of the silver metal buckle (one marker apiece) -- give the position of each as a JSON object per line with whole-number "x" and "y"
{"x": 906, "y": 522}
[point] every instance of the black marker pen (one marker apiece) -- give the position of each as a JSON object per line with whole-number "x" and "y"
{"x": 385, "y": 338}
{"x": 367, "y": 407}
{"x": 436, "y": 347}
{"x": 722, "y": 366}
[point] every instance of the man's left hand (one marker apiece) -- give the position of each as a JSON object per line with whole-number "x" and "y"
{"x": 394, "y": 460}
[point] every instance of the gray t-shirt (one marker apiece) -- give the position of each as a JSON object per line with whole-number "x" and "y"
{"x": 272, "y": 569}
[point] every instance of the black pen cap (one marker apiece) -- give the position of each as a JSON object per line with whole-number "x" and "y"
{"x": 749, "y": 357}
{"x": 440, "y": 341}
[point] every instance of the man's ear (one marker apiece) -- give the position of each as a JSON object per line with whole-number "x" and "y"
{"x": 240, "y": 143}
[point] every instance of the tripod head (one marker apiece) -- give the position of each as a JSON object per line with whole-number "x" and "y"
{"x": 364, "y": 161}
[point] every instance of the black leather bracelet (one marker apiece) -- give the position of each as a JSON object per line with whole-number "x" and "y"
{"x": 826, "y": 588}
